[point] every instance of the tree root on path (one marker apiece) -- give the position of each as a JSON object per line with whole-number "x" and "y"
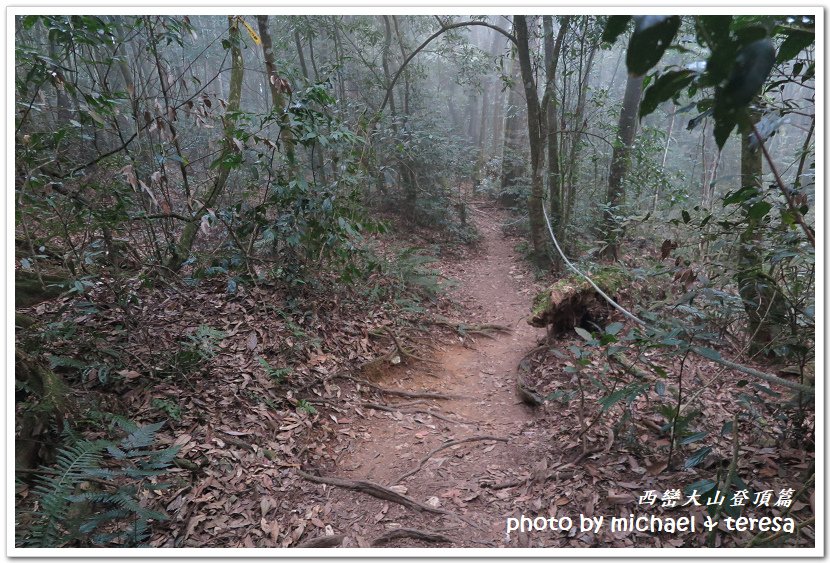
{"x": 486, "y": 329}
{"x": 383, "y": 493}
{"x": 443, "y": 447}
{"x": 323, "y": 541}
{"x": 389, "y": 408}
{"x": 560, "y": 472}
{"x": 426, "y": 536}
{"x": 398, "y": 392}
{"x": 508, "y": 484}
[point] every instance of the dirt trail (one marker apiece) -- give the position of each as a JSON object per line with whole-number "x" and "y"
{"x": 495, "y": 287}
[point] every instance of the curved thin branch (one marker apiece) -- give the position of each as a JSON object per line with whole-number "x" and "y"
{"x": 444, "y": 28}
{"x": 799, "y": 218}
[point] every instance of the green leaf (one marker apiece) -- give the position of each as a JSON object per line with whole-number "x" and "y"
{"x": 652, "y": 35}
{"x": 614, "y": 27}
{"x": 686, "y": 216}
{"x": 796, "y": 41}
{"x": 708, "y": 353}
{"x": 713, "y": 30}
{"x": 753, "y": 64}
{"x": 586, "y": 336}
{"x": 613, "y": 328}
{"x": 759, "y": 210}
{"x": 691, "y": 439}
{"x": 702, "y": 487}
{"x": 697, "y": 457}
{"x": 744, "y": 194}
{"x": 664, "y": 88}
{"x": 725, "y": 122}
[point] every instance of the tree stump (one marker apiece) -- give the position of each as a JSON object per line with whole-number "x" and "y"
{"x": 572, "y": 301}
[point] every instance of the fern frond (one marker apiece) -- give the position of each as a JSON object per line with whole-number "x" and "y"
{"x": 141, "y": 437}
{"x": 54, "y": 489}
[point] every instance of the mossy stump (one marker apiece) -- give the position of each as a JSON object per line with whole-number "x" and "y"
{"x": 572, "y": 301}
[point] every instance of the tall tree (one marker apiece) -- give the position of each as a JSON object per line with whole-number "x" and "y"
{"x": 554, "y": 174}
{"x": 278, "y": 86}
{"x": 615, "y": 196}
{"x": 229, "y": 146}
{"x": 536, "y": 136}
{"x": 513, "y": 161}
{"x": 763, "y": 303}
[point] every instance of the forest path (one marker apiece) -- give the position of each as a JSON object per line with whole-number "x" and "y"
{"x": 495, "y": 286}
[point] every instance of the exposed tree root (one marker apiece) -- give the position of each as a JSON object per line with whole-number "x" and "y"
{"x": 402, "y": 350}
{"x": 323, "y": 541}
{"x": 398, "y": 392}
{"x": 426, "y": 536}
{"x": 383, "y": 493}
{"x": 388, "y": 408}
{"x": 487, "y": 329}
{"x": 443, "y": 447}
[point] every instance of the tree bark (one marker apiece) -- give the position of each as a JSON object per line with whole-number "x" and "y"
{"x": 513, "y": 158}
{"x": 191, "y": 230}
{"x": 615, "y": 195}
{"x": 763, "y": 302}
{"x": 277, "y": 85}
{"x": 552, "y": 51}
{"x": 536, "y": 135}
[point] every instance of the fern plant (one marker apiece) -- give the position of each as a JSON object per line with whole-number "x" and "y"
{"x": 92, "y": 496}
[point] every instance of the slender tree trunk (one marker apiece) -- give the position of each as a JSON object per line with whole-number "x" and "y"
{"x": 615, "y": 195}
{"x": 513, "y": 158}
{"x": 665, "y": 157}
{"x": 498, "y": 121}
{"x": 278, "y": 87}
{"x": 580, "y": 124}
{"x": 191, "y": 230}
{"x": 552, "y": 51}
{"x": 300, "y": 54}
{"x": 536, "y": 135}
{"x": 763, "y": 302}
{"x": 317, "y": 160}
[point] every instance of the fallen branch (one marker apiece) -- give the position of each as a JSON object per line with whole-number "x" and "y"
{"x": 426, "y": 536}
{"x": 235, "y": 441}
{"x": 323, "y": 541}
{"x": 387, "y": 408}
{"x": 443, "y": 447}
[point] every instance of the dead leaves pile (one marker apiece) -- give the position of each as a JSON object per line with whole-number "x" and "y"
{"x": 242, "y": 431}
{"x": 611, "y": 479}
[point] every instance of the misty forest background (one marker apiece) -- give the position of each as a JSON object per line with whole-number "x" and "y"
{"x": 190, "y": 188}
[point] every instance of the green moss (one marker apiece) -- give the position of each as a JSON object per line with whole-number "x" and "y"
{"x": 609, "y": 279}
{"x": 541, "y": 303}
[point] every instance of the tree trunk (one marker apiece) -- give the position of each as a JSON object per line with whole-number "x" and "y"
{"x": 552, "y": 51}
{"x": 317, "y": 160}
{"x": 536, "y": 135}
{"x": 513, "y": 162}
{"x": 580, "y": 124}
{"x": 615, "y": 195}
{"x": 277, "y": 85}
{"x": 763, "y": 303}
{"x": 191, "y": 230}
{"x": 665, "y": 157}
